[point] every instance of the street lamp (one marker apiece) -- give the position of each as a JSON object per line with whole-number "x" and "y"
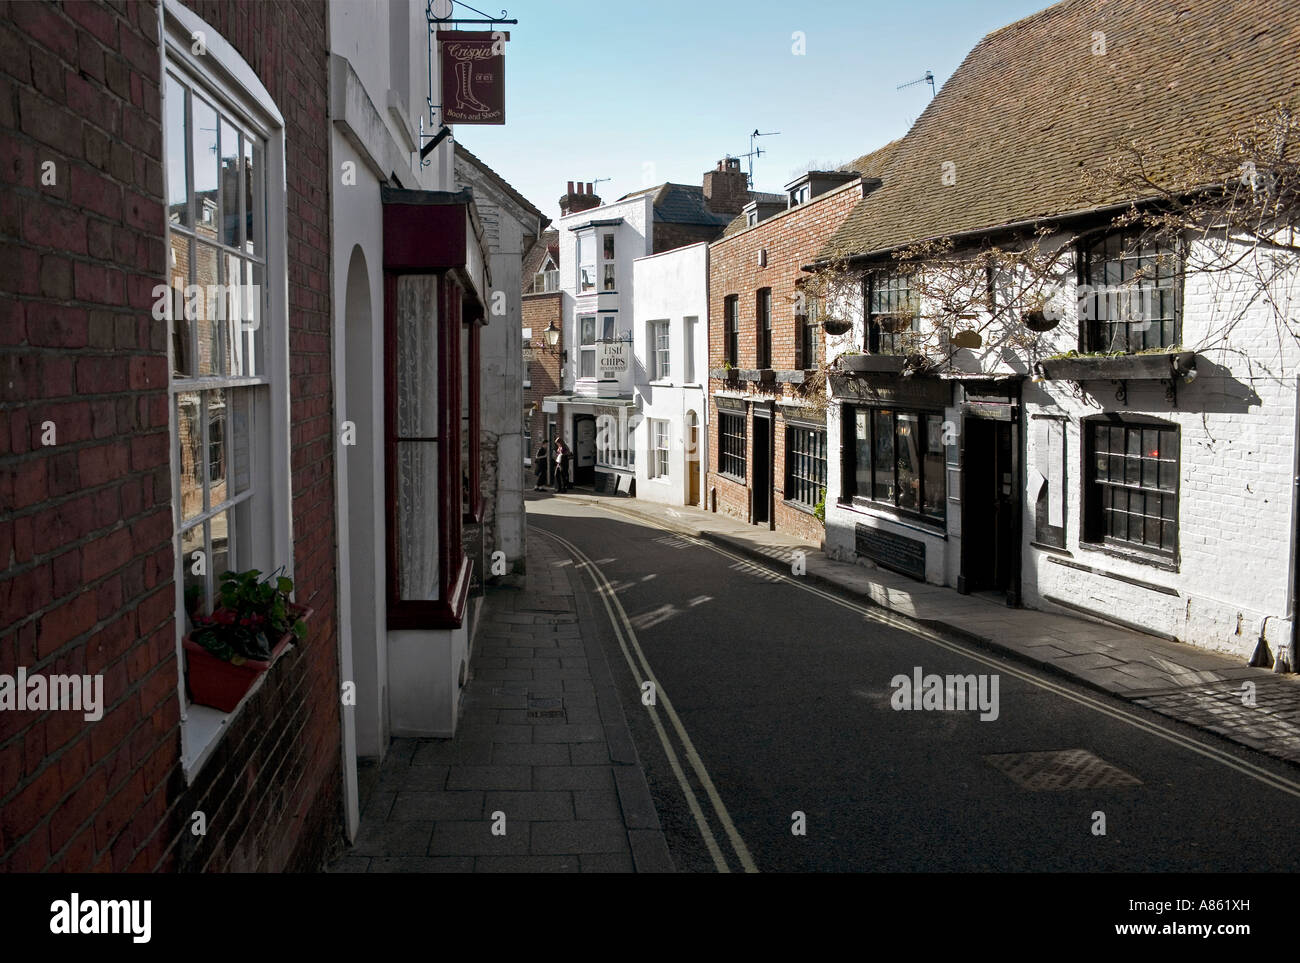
{"x": 552, "y": 335}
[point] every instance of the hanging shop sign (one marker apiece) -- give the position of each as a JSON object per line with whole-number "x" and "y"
{"x": 473, "y": 66}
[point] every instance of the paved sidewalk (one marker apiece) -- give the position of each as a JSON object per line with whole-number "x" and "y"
{"x": 543, "y": 748}
{"x": 1183, "y": 682}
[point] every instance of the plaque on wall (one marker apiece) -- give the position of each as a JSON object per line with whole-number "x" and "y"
{"x": 897, "y": 553}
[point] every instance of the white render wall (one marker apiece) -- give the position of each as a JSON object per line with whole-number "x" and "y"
{"x": 378, "y": 86}
{"x": 1238, "y": 466}
{"x": 672, "y": 286}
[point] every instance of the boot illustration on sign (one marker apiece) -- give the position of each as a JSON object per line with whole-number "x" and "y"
{"x": 464, "y": 87}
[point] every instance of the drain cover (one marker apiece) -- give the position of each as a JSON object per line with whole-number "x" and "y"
{"x": 544, "y": 702}
{"x": 1061, "y": 769}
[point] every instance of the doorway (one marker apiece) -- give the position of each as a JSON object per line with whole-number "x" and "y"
{"x": 990, "y": 508}
{"x": 692, "y": 459}
{"x": 584, "y": 449}
{"x": 762, "y": 467}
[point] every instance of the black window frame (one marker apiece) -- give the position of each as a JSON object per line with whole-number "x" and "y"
{"x": 1099, "y": 495}
{"x": 806, "y": 451}
{"x": 731, "y": 330}
{"x": 889, "y": 284}
{"x": 1122, "y": 248}
{"x": 763, "y": 328}
{"x": 807, "y": 343}
{"x": 849, "y": 493}
{"x": 732, "y": 439}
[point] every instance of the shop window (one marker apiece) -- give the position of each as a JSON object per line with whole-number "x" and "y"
{"x": 731, "y": 444}
{"x": 895, "y": 458}
{"x": 805, "y": 464}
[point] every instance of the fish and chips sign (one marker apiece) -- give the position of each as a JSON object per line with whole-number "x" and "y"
{"x": 473, "y": 76}
{"x": 613, "y": 366}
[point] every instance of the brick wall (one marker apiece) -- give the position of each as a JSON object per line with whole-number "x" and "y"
{"x": 540, "y": 311}
{"x": 668, "y": 237}
{"x": 86, "y": 523}
{"x": 791, "y": 240}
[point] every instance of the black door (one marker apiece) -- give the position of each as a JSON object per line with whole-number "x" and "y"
{"x": 988, "y": 529}
{"x": 762, "y": 469}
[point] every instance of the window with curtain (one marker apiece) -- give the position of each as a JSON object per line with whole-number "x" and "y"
{"x": 895, "y": 458}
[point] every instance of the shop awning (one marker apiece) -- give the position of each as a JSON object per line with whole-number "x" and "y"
{"x": 438, "y": 230}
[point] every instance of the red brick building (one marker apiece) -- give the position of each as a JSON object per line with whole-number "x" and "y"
{"x": 767, "y": 435}
{"x": 109, "y": 192}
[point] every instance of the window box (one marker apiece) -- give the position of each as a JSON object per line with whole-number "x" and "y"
{"x": 1157, "y": 366}
{"x": 757, "y": 374}
{"x": 863, "y": 363}
{"x": 222, "y": 685}
{"x": 725, "y": 374}
{"x": 796, "y": 377}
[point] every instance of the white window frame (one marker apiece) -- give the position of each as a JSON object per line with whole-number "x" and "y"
{"x": 587, "y": 261}
{"x": 659, "y": 349}
{"x": 224, "y": 76}
{"x": 608, "y": 266}
{"x": 587, "y": 348}
{"x": 659, "y": 462}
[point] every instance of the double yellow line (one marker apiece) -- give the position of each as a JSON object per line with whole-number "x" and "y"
{"x": 640, "y": 669}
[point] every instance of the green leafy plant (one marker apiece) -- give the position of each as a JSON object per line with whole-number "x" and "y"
{"x": 819, "y": 510}
{"x": 251, "y": 614}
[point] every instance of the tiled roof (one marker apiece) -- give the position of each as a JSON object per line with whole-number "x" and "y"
{"x": 684, "y": 204}
{"x": 463, "y": 152}
{"x": 549, "y": 241}
{"x": 874, "y": 163}
{"x": 1032, "y": 106}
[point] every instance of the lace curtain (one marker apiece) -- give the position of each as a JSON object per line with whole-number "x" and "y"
{"x": 417, "y": 429}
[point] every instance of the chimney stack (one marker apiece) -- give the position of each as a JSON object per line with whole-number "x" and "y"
{"x": 579, "y": 197}
{"x": 726, "y": 188}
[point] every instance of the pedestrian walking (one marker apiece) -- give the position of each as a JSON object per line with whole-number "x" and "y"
{"x": 539, "y": 468}
{"x": 561, "y": 467}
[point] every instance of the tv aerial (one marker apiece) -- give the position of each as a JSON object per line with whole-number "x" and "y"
{"x": 756, "y": 151}
{"x": 927, "y": 79}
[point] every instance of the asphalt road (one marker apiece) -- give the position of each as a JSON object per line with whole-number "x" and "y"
{"x": 786, "y": 698}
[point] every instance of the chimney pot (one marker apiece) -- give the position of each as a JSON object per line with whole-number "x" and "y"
{"x": 570, "y": 187}
{"x": 589, "y": 190}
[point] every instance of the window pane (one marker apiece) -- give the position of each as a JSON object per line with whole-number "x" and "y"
{"x": 177, "y": 137}
{"x": 240, "y": 427}
{"x": 189, "y": 454}
{"x": 588, "y": 369}
{"x": 178, "y": 276}
{"x": 195, "y": 587}
{"x": 230, "y": 162}
{"x": 609, "y": 247}
{"x": 254, "y": 199}
{"x": 1168, "y": 476}
{"x": 862, "y": 456}
{"x": 588, "y": 330}
{"x": 203, "y": 142}
{"x": 223, "y": 555}
{"x": 417, "y": 356}
{"x": 933, "y": 501}
{"x": 908, "y": 455}
{"x": 207, "y": 309}
{"x": 609, "y": 277}
{"x": 884, "y": 456}
{"x": 216, "y": 457}
{"x": 417, "y": 520}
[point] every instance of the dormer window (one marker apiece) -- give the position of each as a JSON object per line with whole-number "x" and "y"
{"x": 751, "y": 217}
{"x": 800, "y": 195}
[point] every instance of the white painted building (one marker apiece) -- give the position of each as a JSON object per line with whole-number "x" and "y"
{"x": 410, "y": 285}
{"x": 670, "y": 330}
{"x": 511, "y": 226}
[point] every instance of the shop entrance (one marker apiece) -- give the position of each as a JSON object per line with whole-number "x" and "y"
{"x": 990, "y": 526}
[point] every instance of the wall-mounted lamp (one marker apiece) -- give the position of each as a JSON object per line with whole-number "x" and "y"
{"x": 552, "y": 335}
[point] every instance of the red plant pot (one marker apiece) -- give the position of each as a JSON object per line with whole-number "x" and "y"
{"x": 220, "y": 684}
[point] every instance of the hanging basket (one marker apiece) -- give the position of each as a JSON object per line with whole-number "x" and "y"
{"x": 1039, "y": 321}
{"x": 835, "y": 326}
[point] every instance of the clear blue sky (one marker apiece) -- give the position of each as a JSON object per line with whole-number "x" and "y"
{"x": 645, "y": 92}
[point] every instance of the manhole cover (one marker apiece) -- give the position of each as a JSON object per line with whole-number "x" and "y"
{"x": 1061, "y": 769}
{"x": 545, "y": 702}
